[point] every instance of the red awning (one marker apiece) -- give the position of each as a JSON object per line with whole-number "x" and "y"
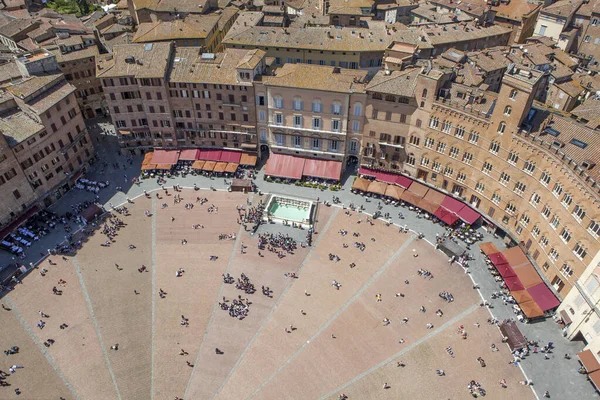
{"x": 543, "y": 296}
{"x": 513, "y": 283}
{"x": 165, "y": 157}
{"x": 452, "y": 205}
{"x": 230, "y": 156}
{"x": 366, "y": 171}
{"x": 445, "y": 216}
{"x": 322, "y": 169}
{"x": 506, "y": 270}
{"x": 497, "y": 258}
{"x": 403, "y": 181}
{"x": 189, "y": 154}
{"x": 284, "y": 166}
{"x": 210, "y": 155}
{"x": 468, "y": 215}
{"x": 385, "y": 177}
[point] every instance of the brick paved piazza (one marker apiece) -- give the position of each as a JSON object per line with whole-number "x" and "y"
{"x": 339, "y": 343}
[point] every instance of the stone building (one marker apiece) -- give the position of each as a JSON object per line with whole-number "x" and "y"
{"x": 312, "y": 111}
{"x": 160, "y": 96}
{"x": 519, "y": 15}
{"x": 44, "y": 135}
{"x": 388, "y": 118}
{"x": 76, "y": 57}
{"x": 354, "y": 48}
{"x": 527, "y": 170}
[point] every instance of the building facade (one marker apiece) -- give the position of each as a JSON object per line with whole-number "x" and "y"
{"x": 45, "y": 136}
{"x": 312, "y": 111}
{"x": 186, "y": 99}
{"x": 580, "y": 310}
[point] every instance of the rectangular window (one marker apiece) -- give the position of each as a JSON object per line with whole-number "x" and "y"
{"x": 578, "y": 213}
{"x": 494, "y": 148}
{"x": 297, "y": 141}
{"x": 278, "y": 119}
{"x": 594, "y": 229}
{"x": 510, "y": 209}
{"x": 473, "y": 137}
{"x": 316, "y": 123}
{"x": 580, "y": 251}
{"x": 519, "y": 188}
{"x": 558, "y": 189}
{"x": 335, "y": 125}
{"x": 535, "y": 199}
{"x": 545, "y": 179}
{"x": 546, "y": 212}
{"x": 297, "y": 121}
{"x": 565, "y": 235}
{"x": 467, "y": 158}
{"x": 486, "y": 168}
{"x": 316, "y": 143}
{"x": 279, "y": 139}
{"x": 567, "y": 200}
{"x": 529, "y": 167}
{"x": 446, "y": 127}
{"x": 554, "y": 222}
{"x": 553, "y": 255}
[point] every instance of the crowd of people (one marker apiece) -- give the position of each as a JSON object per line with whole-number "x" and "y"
{"x": 278, "y": 243}
{"x": 110, "y": 228}
{"x": 237, "y": 308}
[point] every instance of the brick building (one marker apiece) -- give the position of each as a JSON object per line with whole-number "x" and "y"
{"x": 159, "y": 96}
{"x": 45, "y": 144}
{"x": 312, "y": 111}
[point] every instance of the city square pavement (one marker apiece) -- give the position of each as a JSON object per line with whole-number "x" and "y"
{"x": 338, "y": 343}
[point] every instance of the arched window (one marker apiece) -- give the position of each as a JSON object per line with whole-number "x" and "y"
{"x": 513, "y": 94}
{"x": 317, "y": 106}
{"x": 298, "y": 104}
{"x": 507, "y": 110}
{"x": 357, "y": 109}
{"x": 424, "y": 95}
{"x": 278, "y": 101}
{"x": 336, "y": 108}
{"x": 501, "y": 127}
{"x": 336, "y": 20}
